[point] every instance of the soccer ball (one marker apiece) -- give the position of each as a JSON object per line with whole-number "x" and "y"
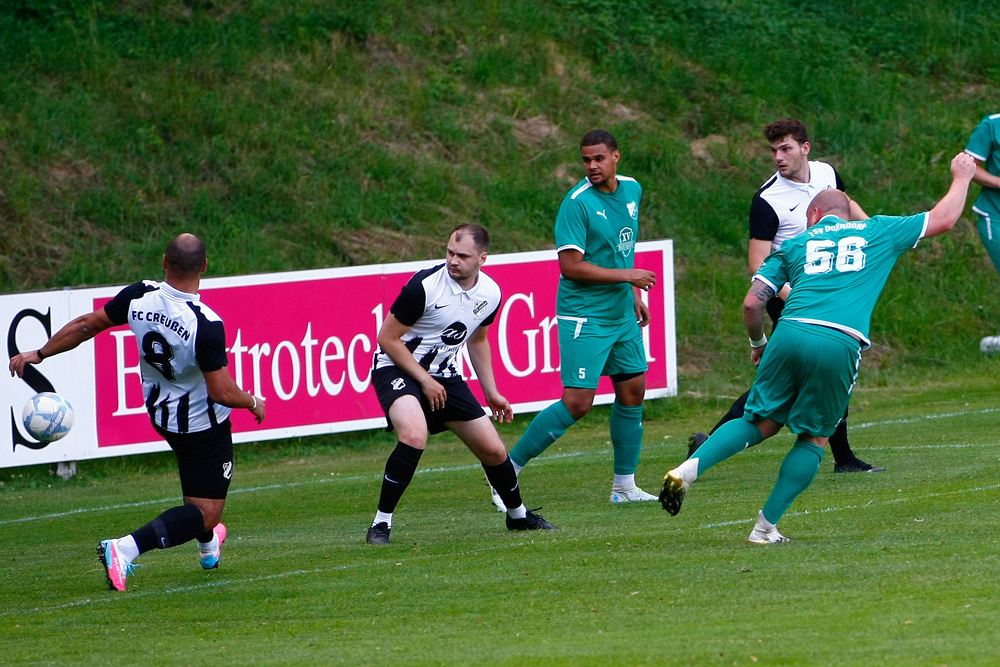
{"x": 47, "y": 416}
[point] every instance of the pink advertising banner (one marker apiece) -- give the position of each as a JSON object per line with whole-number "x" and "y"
{"x": 305, "y": 340}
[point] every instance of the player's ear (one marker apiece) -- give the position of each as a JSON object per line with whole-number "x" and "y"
{"x": 813, "y": 214}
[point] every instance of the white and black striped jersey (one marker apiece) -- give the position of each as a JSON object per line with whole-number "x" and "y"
{"x": 179, "y": 339}
{"x": 441, "y": 316}
{"x": 778, "y": 209}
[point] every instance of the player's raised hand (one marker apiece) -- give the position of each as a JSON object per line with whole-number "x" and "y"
{"x": 963, "y": 166}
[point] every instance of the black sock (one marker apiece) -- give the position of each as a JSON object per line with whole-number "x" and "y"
{"x": 839, "y": 447}
{"x": 735, "y": 411}
{"x": 504, "y": 480}
{"x": 399, "y": 471}
{"x": 175, "y": 526}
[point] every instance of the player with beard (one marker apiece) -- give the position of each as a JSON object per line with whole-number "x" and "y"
{"x": 600, "y": 313}
{"x": 422, "y": 392}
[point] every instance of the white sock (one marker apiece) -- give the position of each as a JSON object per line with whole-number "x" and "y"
{"x": 624, "y": 482}
{"x": 763, "y": 524}
{"x": 518, "y": 512}
{"x": 688, "y": 470}
{"x": 127, "y": 548}
{"x": 381, "y": 517}
{"x": 517, "y": 468}
{"x": 210, "y": 546}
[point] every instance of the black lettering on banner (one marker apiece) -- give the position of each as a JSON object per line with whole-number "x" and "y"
{"x": 32, "y": 376}
{"x": 158, "y": 353}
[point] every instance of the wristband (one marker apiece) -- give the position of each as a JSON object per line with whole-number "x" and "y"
{"x": 39, "y": 353}
{"x": 760, "y": 342}
{"x": 254, "y": 406}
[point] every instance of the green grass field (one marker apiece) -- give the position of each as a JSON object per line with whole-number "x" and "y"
{"x": 894, "y": 568}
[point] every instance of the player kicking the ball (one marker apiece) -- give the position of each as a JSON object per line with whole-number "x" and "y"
{"x": 189, "y": 395}
{"x": 837, "y": 269}
{"x": 422, "y": 392}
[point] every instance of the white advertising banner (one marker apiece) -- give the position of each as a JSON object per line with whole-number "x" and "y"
{"x": 304, "y": 340}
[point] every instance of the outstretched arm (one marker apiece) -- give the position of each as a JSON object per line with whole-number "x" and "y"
{"x": 72, "y": 334}
{"x": 946, "y": 212}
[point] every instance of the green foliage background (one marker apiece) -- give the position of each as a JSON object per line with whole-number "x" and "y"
{"x": 307, "y": 134}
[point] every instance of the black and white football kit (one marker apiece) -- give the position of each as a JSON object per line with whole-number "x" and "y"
{"x": 778, "y": 209}
{"x": 180, "y": 339}
{"x": 441, "y": 316}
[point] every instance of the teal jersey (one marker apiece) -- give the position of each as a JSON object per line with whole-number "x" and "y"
{"x": 984, "y": 145}
{"x": 837, "y": 269}
{"x": 604, "y": 227}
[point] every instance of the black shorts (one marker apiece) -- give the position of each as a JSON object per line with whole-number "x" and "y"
{"x": 204, "y": 460}
{"x": 461, "y": 406}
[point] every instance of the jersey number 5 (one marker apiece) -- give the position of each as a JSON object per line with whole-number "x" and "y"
{"x": 158, "y": 354}
{"x": 849, "y": 255}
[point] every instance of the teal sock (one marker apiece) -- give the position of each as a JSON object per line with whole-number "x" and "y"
{"x": 626, "y": 437}
{"x": 728, "y": 440}
{"x": 795, "y": 475}
{"x": 547, "y": 427}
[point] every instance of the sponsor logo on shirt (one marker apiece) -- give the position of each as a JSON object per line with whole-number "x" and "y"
{"x": 454, "y": 333}
{"x": 602, "y": 214}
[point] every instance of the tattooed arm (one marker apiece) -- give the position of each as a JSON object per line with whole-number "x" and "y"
{"x": 754, "y": 306}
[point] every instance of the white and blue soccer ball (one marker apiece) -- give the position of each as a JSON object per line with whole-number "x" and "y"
{"x": 47, "y": 416}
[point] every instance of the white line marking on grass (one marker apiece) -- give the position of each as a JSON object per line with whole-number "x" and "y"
{"x": 124, "y": 597}
{"x": 870, "y": 503}
{"x": 911, "y": 420}
{"x": 268, "y": 487}
{"x": 550, "y": 458}
{"x": 111, "y": 598}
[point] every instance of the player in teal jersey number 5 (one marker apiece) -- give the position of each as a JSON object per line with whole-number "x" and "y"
{"x": 600, "y": 312}
{"x": 837, "y": 269}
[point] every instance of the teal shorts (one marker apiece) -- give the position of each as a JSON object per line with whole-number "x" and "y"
{"x": 588, "y": 350}
{"x": 989, "y": 234}
{"x": 805, "y": 378}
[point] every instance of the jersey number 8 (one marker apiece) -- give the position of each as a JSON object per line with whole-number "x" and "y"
{"x": 158, "y": 354}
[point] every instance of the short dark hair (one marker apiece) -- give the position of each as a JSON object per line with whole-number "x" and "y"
{"x": 186, "y": 254}
{"x": 595, "y": 137}
{"x": 480, "y": 237}
{"x": 780, "y": 129}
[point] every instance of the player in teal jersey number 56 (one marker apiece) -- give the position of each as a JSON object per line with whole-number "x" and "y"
{"x": 837, "y": 269}
{"x": 600, "y": 312}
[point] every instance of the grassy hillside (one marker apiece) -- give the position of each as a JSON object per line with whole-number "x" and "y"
{"x": 306, "y": 134}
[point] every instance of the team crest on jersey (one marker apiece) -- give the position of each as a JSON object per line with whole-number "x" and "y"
{"x": 626, "y": 241}
{"x": 480, "y": 308}
{"x": 398, "y": 384}
{"x": 633, "y": 209}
